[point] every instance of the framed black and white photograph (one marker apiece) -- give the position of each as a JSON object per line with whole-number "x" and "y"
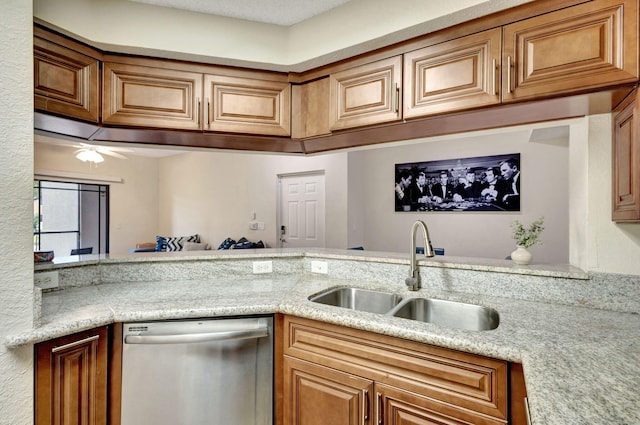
{"x": 484, "y": 183}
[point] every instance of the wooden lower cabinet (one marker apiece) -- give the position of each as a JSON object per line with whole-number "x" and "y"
{"x": 395, "y": 406}
{"x": 71, "y": 379}
{"x": 318, "y": 395}
{"x": 332, "y": 375}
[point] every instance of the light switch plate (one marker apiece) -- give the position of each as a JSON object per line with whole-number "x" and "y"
{"x": 46, "y": 280}
{"x": 319, "y": 267}
{"x": 260, "y": 267}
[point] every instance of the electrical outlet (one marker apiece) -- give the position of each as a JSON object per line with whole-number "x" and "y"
{"x": 253, "y": 225}
{"x": 260, "y": 267}
{"x": 319, "y": 267}
{"x": 46, "y": 280}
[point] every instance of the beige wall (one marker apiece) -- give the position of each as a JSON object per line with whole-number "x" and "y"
{"x": 215, "y": 194}
{"x": 566, "y": 179}
{"x": 131, "y": 27}
{"x": 16, "y": 210}
{"x": 544, "y": 186}
{"x": 133, "y": 212}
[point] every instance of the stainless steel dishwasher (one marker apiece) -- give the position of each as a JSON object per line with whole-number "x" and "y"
{"x": 197, "y": 372}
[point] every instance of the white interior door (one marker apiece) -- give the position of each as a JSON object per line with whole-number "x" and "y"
{"x": 302, "y": 210}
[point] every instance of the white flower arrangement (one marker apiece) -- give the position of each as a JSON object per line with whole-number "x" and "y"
{"x": 528, "y": 237}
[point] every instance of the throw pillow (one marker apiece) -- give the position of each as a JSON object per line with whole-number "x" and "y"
{"x": 171, "y": 244}
{"x": 193, "y": 246}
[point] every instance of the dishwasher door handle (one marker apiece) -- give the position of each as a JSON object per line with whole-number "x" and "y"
{"x": 197, "y": 337}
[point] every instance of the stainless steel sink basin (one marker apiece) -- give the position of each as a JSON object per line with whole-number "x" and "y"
{"x": 449, "y": 314}
{"x": 358, "y": 299}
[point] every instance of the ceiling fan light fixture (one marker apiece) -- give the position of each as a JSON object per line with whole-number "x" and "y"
{"x": 89, "y": 155}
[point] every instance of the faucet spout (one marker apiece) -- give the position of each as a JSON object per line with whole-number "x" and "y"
{"x": 413, "y": 281}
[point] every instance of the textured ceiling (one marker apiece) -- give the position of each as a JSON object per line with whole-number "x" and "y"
{"x": 279, "y": 12}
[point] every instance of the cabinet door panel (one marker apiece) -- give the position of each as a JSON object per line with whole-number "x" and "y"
{"x": 397, "y": 407}
{"x": 473, "y": 382}
{"x": 316, "y": 395}
{"x": 71, "y": 380}
{"x": 586, "y": 46}
{"x": 454, "y": 75}
{"x": 65, "y": 81}
{"x": 151, "y": 97}
{"x": 366, "y": 95}
{"x": 243, "y": 105}
{"x": 626, "y": 163}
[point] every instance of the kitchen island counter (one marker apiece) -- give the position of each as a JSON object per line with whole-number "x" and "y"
{"x": 581, "y": 364}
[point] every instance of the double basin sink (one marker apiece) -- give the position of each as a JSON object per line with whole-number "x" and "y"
{"x": 445, "y": 313}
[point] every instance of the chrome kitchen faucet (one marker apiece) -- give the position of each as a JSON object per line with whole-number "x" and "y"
{"x": 413, "y": 281}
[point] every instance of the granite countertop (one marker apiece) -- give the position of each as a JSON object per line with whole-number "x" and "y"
{"x": 581, "y": 365}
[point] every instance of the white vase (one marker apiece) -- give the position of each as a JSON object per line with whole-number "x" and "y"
{"x": 521, "y": 256}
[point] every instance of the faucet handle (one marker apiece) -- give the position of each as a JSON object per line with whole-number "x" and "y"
{"x": 412, "y": 283}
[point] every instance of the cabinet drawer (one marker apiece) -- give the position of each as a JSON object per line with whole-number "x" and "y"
{"x": 587, "y": 46}
{"x": 151, "y": 97}
{"x": 466, "y": 380}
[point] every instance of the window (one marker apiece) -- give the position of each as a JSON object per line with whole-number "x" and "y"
{"x": 69, "y": 216}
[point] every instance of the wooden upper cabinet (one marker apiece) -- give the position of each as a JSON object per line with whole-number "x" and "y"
{"x": 458, "y": 74}
{"x": 310, "y": 109}
{"x": 626, "y": 161}
{"x": 366, "y": 95}
{"x": 151, "y": 97}
{"x": 66, "y": 82}
{"x": 247, "y": 105}
{"x": 71, "y": 379}
{"x": 578, "y": 48}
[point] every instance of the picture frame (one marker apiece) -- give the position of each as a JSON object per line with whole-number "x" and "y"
{"x": 483, "y": 183}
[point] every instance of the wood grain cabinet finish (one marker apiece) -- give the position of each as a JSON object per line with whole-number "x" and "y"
{"x": 366, "y": 95}
{"x": 395, "y": 406}
{"x": 318, "y": 395}
{"x": 66, "y": 82}
{"x": 71, "y": 380}
{"x": 151, "y": 97}
{"x": 471, "y": 385}
{"x": 246, "y": 105}
{"x": 626, "y": 161}
{"x": 578, "y": 48}
{"x": 459, "y": 74}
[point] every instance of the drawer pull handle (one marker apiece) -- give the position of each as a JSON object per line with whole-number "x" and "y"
{"x": 509, "y": 74}
{"x": 494, "y": 71}
{"x": 75, "y": 343}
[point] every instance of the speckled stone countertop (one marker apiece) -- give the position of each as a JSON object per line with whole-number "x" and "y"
{"x": 581, "y": 358}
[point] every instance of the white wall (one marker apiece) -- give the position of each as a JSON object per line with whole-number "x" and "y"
{"x": 610, "y": 246}
{"x": 215, "y": 194}
{"x": 16, "y": 209}
{"x": 544, "y": 188}
{"x": 133, "y": 212}
{"x": 130, "y": 27}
